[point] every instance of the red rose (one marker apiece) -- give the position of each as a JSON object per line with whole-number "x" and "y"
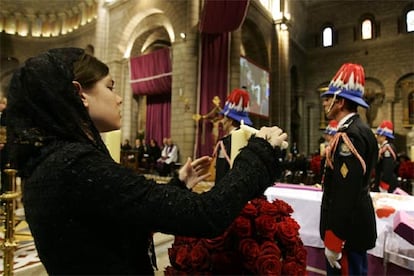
{"x": 284, "y": 208}
{"x": 290, "y": 267}
{"x": 268, "y": 265}
{"x": 266, "y": 226}
{"x": 171, "y": 271}
{"x": 228, "y": 263}
{"x": 215, "y": 243}
{"x": 270, "y": 248}
{"x": 179, "y": 240}
{"x": 249, "y": 210}
{"x": 288, "y": 231}
{"x": 249, "y": 249}
{"x": 200, "y": 257}
{"x": 267, "y": 208}
{"x": 242, "y": 227}
{"x": 249, "y": 246}
{"x": 300, "y": 253}
{"x": 181, "y": 259}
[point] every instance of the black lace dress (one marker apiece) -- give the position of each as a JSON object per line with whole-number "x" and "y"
{"x": 89, "y": 215}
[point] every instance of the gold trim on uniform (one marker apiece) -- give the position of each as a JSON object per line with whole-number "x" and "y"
{"x": 344, "y": 170}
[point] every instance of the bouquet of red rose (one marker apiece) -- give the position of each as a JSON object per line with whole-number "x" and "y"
{"x": 263, "y": 240}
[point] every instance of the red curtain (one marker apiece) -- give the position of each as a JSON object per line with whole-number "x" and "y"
{"x": 151, "y": 73}
{"x": 151, "y": 76}
{"x": 158, "y": 121}
{"x": 221, "y": 16}
{"x": 218, "y": 19}
{"x": 214, "y": 64}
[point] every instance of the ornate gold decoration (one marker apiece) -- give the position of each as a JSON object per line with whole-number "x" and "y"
{"x": 9, "y": 198}
{"x": 344, "y": 170}
{"x": 212, "y": 116}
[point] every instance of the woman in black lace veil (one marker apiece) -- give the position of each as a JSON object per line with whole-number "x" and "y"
{"x": 87, "y": 213}
{"x": 45, "y": 105}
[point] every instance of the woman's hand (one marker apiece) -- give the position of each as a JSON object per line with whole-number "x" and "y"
{"x": 274, "y": 135}
{"x": 192, "y": 172}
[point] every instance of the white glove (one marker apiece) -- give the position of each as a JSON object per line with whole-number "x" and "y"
{"x": 274, "y": 135}
{"x": 382, "y": 190}
{"x": 333, "y": 258}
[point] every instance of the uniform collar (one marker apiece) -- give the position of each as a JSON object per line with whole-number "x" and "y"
{"x": 346, "y": 121}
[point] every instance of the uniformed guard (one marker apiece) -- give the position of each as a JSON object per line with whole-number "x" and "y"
{"x": 235, "y": 111}
{"x": 385, "y": 177}
{"x": 347, "y": 222}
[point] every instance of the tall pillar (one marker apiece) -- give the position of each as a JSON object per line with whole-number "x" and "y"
{"x": 280, "y": 108}
{"x": 185, "y": 83}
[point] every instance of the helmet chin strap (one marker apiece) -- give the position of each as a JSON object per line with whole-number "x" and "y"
{"x": 332, "y": 102}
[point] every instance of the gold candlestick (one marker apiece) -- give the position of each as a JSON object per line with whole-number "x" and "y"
{"x": 9, "y": 205}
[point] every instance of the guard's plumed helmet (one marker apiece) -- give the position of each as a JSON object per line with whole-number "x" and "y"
{"x": 386, "y": 128}
{"x": 348, "y": 83}
{"x": 237, "y": 106}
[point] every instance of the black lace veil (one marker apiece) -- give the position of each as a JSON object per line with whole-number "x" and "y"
{"x": 44, "y": 106}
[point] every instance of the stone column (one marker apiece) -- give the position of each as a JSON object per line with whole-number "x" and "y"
{"x": 185, "y": 84}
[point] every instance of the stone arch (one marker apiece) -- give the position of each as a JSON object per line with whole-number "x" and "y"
{"x": 404, "y": 93}
{"x": 140, "y": 26}
{"x": 374, "y": 95}
{"x": 146, "y": 31}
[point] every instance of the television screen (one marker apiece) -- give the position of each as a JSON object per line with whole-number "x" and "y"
{"x": 256, "y": 81}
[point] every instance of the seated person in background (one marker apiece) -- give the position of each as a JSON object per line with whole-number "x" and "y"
{"x": 126, "y": 145}
{"x": 137, "y": 144}
{"x": 169, "y": 156}
{"x": 154, "y": 152}
{"x": 142, "y": 151}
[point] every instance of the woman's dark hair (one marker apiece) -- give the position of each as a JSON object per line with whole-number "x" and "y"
{"x": 44, "y": 107}
{"x": 88, "y": 70}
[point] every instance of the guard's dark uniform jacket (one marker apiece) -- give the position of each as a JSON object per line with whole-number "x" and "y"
{"x": 385, "y": 169}
{"x": 347, "y": 212}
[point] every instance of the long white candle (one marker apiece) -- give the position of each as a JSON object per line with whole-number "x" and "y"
{"x": 412, "y": 153}
{"x": 238, "y": 140}
{"x": 240, "y": 137}
{"x": 113, "y": 143}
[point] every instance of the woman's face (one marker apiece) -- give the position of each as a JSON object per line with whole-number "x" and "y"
{"x": 103, "y": 104}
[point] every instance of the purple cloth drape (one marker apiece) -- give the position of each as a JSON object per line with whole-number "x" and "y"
{"x": 214, "y": 64}
{"x": 151, "y": 76}
{"x": 158, "y": 120}
{"x": 151, "y": 73}
{"x": 220, "y": 16}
